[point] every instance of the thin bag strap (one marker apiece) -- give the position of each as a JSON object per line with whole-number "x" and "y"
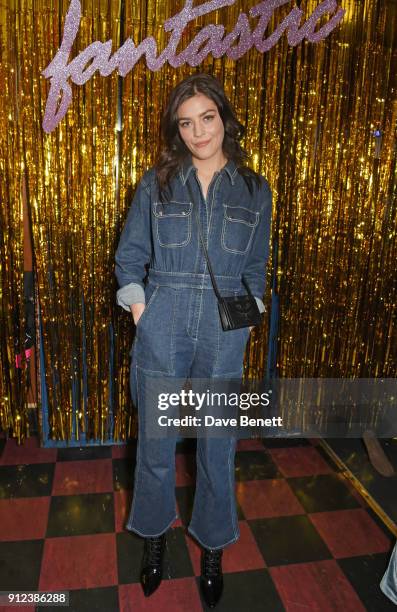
{"x": 215, "y": 286}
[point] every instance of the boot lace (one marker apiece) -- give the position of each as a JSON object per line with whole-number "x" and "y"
{"x": 212, "y": 562}
{"x": 153, "y": 550}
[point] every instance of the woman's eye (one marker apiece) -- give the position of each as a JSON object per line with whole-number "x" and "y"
{"x": 184, "y": 124}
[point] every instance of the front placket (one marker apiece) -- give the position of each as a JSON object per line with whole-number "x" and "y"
{"x": 205, "y": 207}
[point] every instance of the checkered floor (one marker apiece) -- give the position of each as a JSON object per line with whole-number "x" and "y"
{"x": 308, "y": 540}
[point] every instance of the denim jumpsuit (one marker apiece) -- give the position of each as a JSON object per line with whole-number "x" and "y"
{"x": 179, "y": 334}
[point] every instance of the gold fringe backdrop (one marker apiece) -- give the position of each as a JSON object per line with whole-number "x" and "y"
{"x": 311, "y": 112}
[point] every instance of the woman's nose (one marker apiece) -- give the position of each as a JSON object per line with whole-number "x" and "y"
{"x": 197, "y": 129}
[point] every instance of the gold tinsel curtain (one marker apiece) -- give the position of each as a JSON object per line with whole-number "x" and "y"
{"x": 321, "y": 125}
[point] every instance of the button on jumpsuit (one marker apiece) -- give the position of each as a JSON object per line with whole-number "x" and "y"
{"x": 179, "y": 334}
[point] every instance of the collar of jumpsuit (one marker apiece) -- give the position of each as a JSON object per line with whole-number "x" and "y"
{"x": 230, "y": 169}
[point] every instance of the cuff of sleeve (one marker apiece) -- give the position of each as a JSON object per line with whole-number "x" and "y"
{"x": 261, "y": 305}
{"x": 130, "y": 294}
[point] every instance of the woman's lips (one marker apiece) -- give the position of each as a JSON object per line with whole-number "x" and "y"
{"x": 202, "y": 144}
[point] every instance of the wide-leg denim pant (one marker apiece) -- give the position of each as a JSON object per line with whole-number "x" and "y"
{"x": 180, "y": 335}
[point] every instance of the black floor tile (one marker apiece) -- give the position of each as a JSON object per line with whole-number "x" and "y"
{"x": 255, "y": 465}
{"x": 389, "y": 446}
{"x": 78, "y": 453}
{"x": 186, "y": 445}
{"x": 20, "y": 565}
{"x": 30, "y": 480}
{"x": 365, "y": 574}
{"x": 288, "y": 539}
{"x": 376, "y": 518}
{"x": 253, "y": 591}
{"x": 384, "y": 491}
{"x": 102, "y": 599}
{"x": 177, "y": 563}
{"x": 129, "y": 556}
{"x": 323, "y": 492}
{"x": 82, "y": 514}
{"x": 123, "y": 473}
{"x": 328, "y": 459}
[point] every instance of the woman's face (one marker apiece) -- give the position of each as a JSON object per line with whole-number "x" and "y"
{"x": 199, "y": 122}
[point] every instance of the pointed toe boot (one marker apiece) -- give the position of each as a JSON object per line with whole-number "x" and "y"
{"x": 152, "y": 564}
{"x": 211, "y": 579}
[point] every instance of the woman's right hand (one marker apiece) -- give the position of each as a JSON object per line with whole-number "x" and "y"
{"x": 137, "y": 310}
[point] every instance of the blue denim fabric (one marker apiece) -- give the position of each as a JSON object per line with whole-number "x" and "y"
{"x": 389, "y": 581}
{"x": 179, "y": 334}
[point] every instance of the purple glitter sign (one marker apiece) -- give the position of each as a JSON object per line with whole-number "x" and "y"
{"x": 210, "y": 39}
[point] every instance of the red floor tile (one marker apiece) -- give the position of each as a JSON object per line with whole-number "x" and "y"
{"x": 122, "y": 451}
{"x": 299, "y": 461}
{"x": 16, "y": 518}
{"x": 79, "y": 562}
{"x": 185, "y": 469}
{"x": 320, "y": 586}
{"x": 250, "y": 445}
{"x": 241, "y": 556}
{"x": 73, "y": 477}
{"x": 172, "y": 596}
{"x": 28, "y": 452}
{"x": 267, "y": 498}
{"x": 348, "y": 533}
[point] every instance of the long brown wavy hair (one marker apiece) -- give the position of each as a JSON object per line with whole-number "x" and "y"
{"x": 174, "y": 150}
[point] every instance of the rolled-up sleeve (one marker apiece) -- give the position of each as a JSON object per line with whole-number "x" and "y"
{"x": 260, "y": 304}
{"x": 134, "y": 249}
{"x": 255, "y": 269}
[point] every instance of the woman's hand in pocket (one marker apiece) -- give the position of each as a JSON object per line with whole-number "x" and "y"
{"x": 137, "y": 310}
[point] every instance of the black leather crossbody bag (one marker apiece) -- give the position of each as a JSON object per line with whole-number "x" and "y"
{"x": 235, "y": 311}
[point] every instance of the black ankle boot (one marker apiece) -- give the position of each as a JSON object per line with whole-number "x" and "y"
{"x": 152, "y": 563}
{"x": 211, "y": 579}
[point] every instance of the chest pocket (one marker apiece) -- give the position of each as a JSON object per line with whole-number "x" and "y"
{"x": 238, "y": 228}
{"x": 173, "y": 223}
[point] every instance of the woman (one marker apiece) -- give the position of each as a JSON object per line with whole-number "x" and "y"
{"x": 178, "y": 327}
